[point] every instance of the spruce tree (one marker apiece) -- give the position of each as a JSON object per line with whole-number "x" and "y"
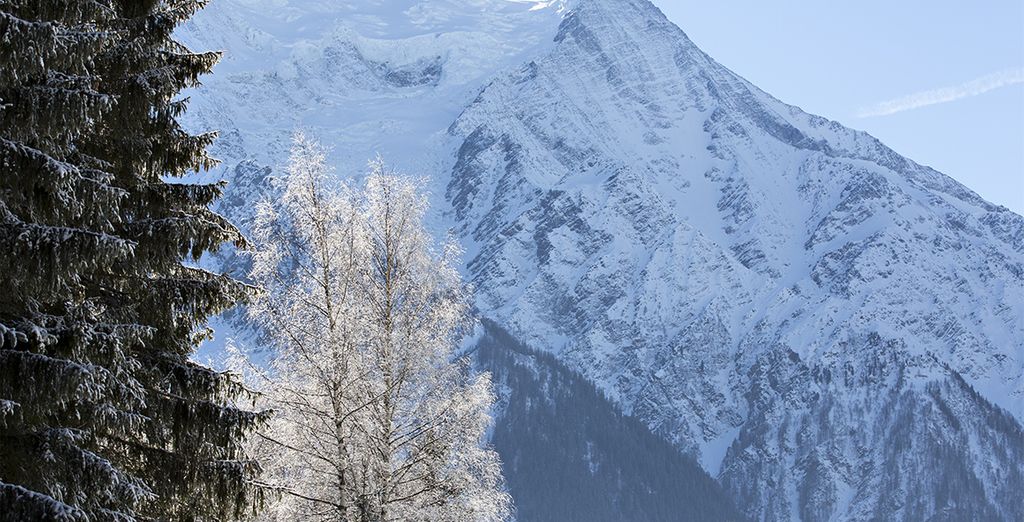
{"x": 102, "y": 414}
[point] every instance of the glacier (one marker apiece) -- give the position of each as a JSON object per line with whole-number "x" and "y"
{"x": 834, "y": 331}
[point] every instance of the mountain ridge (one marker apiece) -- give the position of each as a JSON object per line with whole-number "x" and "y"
{"x": 808, "y": 239}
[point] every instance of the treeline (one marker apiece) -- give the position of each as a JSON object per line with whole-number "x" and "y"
{"x": 570, "y": 455}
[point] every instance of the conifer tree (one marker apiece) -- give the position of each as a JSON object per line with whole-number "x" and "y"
{"x": 102, "y": 414}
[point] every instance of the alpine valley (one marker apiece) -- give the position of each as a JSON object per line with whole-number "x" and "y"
{"x": 703, "y": 302}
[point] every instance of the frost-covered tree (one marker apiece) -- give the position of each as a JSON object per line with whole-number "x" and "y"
{"x": 102, "y": 414}
{"x": 375, "y": 420}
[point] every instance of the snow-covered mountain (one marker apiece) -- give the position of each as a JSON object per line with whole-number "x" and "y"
{"x": 836, "y": 332}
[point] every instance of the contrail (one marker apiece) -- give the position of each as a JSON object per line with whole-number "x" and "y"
{"x": 946, "y": 94}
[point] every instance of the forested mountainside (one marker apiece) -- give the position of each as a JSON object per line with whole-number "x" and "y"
{"x": 570, "y": 455}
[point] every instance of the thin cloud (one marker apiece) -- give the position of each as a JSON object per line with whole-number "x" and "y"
{"x": 945, "y": 94}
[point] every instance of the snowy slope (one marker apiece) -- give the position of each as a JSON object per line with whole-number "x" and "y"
{"x": 366, "y": 76}
{"x": 829, "y": 326}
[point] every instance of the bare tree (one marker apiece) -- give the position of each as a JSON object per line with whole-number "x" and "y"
{"x": 375, "y": 419}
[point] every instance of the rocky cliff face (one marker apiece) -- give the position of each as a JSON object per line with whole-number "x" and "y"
{"x": 835, "y": 331}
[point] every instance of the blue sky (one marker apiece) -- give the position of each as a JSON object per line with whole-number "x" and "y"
{"x": 940, "y": 81}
